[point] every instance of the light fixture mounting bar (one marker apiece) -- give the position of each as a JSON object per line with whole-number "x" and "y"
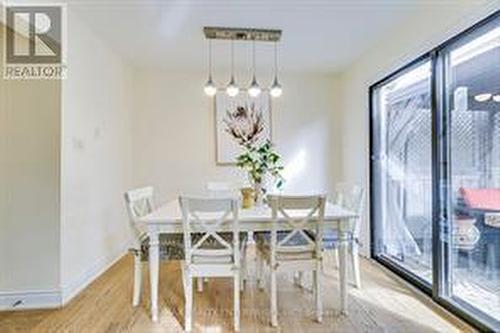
{"x": 262, "y": 35}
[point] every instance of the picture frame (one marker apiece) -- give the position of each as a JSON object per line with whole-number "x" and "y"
{"x": 226, "y": 147}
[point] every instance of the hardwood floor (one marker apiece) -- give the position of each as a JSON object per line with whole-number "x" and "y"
{"x": 383, "y": 304}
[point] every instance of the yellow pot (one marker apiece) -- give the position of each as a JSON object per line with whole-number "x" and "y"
{"x": 248, "y": 195}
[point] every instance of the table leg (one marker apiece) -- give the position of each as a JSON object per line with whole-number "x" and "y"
{"x": 154, "y": 270}
{"x": 343, "y": 271}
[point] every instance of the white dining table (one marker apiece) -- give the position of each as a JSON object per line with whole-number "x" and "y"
{"x": 167, "y": 219}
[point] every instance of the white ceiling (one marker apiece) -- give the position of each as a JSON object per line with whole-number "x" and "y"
{"x": 318, "y": 36}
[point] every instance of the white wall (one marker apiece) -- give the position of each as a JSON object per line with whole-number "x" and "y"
{"x": 174, "y": 136}
{"x": 29, "y": 188}
{"x": 64, "y": 164}
{"x": 430, "y": 26}
{"x": 96, "y": 158}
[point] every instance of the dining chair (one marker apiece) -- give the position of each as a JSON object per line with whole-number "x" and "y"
{"x": 222, "y": 189}
{"x": 298, "y": 249}
{"x": 352, "y": 198}
{"x": 139, "y": 203}
{"x": 209, "y": 252}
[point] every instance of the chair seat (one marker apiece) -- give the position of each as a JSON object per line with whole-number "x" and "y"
{"x": 263, "y": 241}
{"x": 212, "y": 259}
{"x": 212, "y": 252}
{"x": 172, "y": 245}
{"x": 331, "y": 238}
{"x": 296, "y": 240}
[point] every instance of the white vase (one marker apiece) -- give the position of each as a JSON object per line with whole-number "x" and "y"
{"x": 259, "y": 195}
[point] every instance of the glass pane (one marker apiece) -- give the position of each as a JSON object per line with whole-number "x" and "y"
{"x": 473, "y": 92}
{"x": 402, "y": 171}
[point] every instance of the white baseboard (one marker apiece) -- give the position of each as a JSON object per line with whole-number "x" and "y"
{"x": 47, "y": 299}
{"x": 31, "y": 299}
{"x": 70, "y": 290}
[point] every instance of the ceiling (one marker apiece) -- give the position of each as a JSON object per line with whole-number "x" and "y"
{"x": 318, "y": 36}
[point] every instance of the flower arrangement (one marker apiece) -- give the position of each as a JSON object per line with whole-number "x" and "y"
{"x": 260, "y": 161}
{"x": 259, "y": 157}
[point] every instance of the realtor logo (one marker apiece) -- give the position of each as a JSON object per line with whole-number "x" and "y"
{"x": 33, "y": 42}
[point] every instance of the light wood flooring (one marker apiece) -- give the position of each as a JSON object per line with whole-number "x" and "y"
{"x": 383, "y": 304}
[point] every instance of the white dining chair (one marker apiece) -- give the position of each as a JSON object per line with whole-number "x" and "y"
{"x": 220, "y": 189}
{"x": 223, "y": 189}
{"x": 352, "y": 198}
{"x": 140, "y": 202}
{"x": 297, "y": 250}
{"x": 208, "y": 252}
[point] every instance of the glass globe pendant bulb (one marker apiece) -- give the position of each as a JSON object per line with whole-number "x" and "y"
{"x": 210, "y": 88}
{"x": 254, "y": 89}
{"x": 232, "y": 89}
{"x": 276, "y": 89}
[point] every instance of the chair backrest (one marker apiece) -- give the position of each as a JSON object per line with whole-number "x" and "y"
{"x": 222, "y": 189}
{"x": 352, "y": 198}
{"x": 202, "y": 220}
{"x": 301, "y": 215}
{"x": 139, "y": 203}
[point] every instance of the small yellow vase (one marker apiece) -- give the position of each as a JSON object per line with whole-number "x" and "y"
{"x": 248, "y": 195}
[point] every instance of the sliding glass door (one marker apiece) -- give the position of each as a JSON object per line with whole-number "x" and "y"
{"x": 472, "y": 103}
{"x": 435, "y": 173}
{"x": 403, "y": 174}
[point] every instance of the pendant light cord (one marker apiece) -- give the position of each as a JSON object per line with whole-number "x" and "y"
{"x": 253, "y": 56}
{"x": 232, "y": 58}
{"x": 275, "y": 58}
{"x": 210, "y": 58}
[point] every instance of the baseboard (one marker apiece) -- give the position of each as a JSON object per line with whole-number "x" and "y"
{"x": 72, "y": 289}
{"x": 47, "y": 299}
{"x": 27, "y": 300}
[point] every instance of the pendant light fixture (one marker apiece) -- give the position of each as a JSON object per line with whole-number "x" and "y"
{"x": 243, "y": 35}
{"x": 276, "y": 89}
{"x": 254, "y": 89}
{"x": 210, "y": 88}
{"x": 232, "y": 88}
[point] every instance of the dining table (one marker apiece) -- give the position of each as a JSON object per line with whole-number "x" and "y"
{"x": 167, "y": 219}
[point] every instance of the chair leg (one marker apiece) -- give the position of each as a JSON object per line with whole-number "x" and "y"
{"x": 236, "y": 312}
{"x": 137, "y": 279}
{"x": 242, "y": 276}
{"x": 355, "y": 264}
{"x": 244, "y": 270}
{"x": 336, "y": 257}
{"x": 317, "y": 293}
{"x": 199, "y": 284}
{"x": 188, "y": 304}
{"x": 260, "y": 273}
{"x": 298, "y": 279}
{"x": 250, "y": 238}
{"x": 274, "y": 299}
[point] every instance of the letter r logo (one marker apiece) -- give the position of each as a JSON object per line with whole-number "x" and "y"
{"x": 33, "y": 34}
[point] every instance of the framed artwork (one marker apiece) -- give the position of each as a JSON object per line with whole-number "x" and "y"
{"x": 239, "y": 116}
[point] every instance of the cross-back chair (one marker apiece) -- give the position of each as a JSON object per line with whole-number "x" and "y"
{"x": 211, "y": 246}
{"x": 294, "y": 244}
{"x": 221, "y": 189}
{"x": 352, "y": 198}
{"x": 140, "y": 202}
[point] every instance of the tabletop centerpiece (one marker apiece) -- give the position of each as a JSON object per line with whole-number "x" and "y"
{"x": 258, "y": 156}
